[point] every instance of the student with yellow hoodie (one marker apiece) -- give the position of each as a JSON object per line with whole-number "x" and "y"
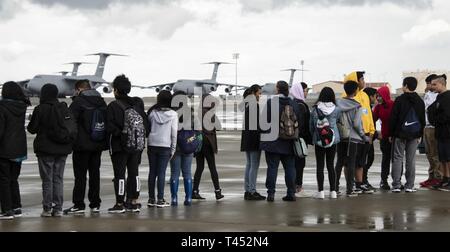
{"x": 369, "y": 129}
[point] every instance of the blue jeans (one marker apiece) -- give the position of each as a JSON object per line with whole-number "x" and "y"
{"x": 251, "y": 170}
{"x": 273, "y": 161}
{"x": 181, "y": 163}
{"x": 158, "y": 159}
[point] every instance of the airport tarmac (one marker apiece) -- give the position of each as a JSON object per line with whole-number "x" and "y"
{"x": 423, "y": 211}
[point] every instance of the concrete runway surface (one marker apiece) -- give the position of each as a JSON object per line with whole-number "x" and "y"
{"x": 423, "y": 211}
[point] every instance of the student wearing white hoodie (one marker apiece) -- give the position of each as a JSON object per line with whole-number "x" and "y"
{"x": 162, "y": 142}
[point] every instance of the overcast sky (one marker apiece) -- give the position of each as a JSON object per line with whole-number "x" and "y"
{"x": 168, "y": 40}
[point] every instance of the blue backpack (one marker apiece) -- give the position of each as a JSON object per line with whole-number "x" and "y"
{"x": 98, "y": 125}
{"x": 411, "y": 124}
{"x": 189, "y": 141}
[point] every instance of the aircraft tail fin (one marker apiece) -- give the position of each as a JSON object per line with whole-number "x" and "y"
{"x": 102, "y": 61}
{"x": 216, "y": 68}
{"x": 293, "y": 71}
{"x": 76, "y": 65}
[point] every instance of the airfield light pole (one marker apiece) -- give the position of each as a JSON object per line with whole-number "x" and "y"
{"x": 236, "y": 57}
{"x": 303, "y": 69}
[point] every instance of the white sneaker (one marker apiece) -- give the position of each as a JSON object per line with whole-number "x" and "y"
{"x": 413, "y": 190}
{"x": 333, "y": 195}
{"x": 320, "y": 195}
{"x": 302, "y": 194}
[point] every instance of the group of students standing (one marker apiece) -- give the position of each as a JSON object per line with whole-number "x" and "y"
{"x": 87, "y": 128}
{"x": 346, "y": 128}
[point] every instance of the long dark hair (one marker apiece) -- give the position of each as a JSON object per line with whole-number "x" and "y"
{"x": 327, "y": 95}
{"x": 164, "y": 100}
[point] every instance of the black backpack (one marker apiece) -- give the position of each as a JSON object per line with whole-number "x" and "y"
{"x": 411, "y": 123}
{"x": 64, "y": 129}
{"x": 94, "y": 122}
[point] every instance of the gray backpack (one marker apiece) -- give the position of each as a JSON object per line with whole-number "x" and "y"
{"x": 133, "y": 133}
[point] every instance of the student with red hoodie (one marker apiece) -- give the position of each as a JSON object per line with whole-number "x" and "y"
{"x": 383, "y": 112}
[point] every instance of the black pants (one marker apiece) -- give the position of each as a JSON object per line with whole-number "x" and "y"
{"x": 346, "y": 157}
{"x": 386, "y": 150}
{"x": 9, "y": 186}
{"x": 123, "y": 161}
{"x": 208, "y": 154}
{"x": 84, "y": 162}
{"x": 329, "y": 154}
{"x": 370, "y": 160}
{"x": 300, "y": 164}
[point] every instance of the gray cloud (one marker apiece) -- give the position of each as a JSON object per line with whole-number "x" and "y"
{"x": 252, "y": 5}
{"x": 264, "y": 5}
{"x": 93, "y": 4}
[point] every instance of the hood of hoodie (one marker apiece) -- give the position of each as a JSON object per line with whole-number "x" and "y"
{"x": 412, "y": 97}
{"x": 163, "y": 116}
{"x": 92, "y": 96}
{"x": 347, "y": 104}
{"x": 16, "y": 108}
{"x": 326, "y": 107}
{"x": 385, "y": 93}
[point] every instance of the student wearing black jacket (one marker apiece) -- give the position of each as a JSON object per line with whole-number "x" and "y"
{"x": 406, "y": 128}
{"x": 439, "y": 116}
{"x": 122, "y": 159}
{"x": 87, "y": 151}
{"x": 13, "y": 148}
{"x": 250, "y": 141}
{"x": 51, "y": 155}
{"x": 299, "y": 95}
{"x": 209, "y": 148}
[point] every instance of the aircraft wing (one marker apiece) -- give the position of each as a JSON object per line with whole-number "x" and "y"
{"x": 160, "y": 86}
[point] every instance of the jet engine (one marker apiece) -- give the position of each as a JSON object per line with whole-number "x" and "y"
{"x": 107, "y": 90}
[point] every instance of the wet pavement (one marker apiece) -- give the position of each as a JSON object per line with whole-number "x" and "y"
{"x": 423, "y": 211}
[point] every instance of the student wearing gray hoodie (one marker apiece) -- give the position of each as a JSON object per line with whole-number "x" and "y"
{"x": 162, "y": 142}
{"x": 352, "y": 133}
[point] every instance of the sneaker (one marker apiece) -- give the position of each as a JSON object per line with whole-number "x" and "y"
{"x": 366, "y": 189}
{"x": 396, "y": 190}
{"x": 358, "y": 191}
{"x": 411, "y": 190}
{"x": 439, "y": 186}
{"x": 162, "y": 203}
{"x": 46, "y": 214}
{"x": 289, "y": 199}
{"x": 298, "y": 189}
{"x": 434, "y": 182}
{"x": 368, "y": 185}
{"x": 270, "y": 198}
{"x": 117, "y": 209}
{"x": 255, "y": 197}
{"x": 74, "y": 210}
{"x": 384, "y": 185}
{"x": 219, "y": 194}
{"x": 352, "y": 194}
{"x": 333, "y": 195}
{"x": 196, "y": 196}
{"x": 151, "y": 203}
{"x": 246, "y": 195}
{"x": 17, "y": 212}
{"x": 320, "y": 195}
{"x": 95, "y": 210}
{"x": 7, "y": 216}
{"x": 133, "y": 208}
{"x": 445, "y": 188}
{"x": 57, "y": 213}
{"x": 301, "y": 194}
{"x": 425, "y": 183}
